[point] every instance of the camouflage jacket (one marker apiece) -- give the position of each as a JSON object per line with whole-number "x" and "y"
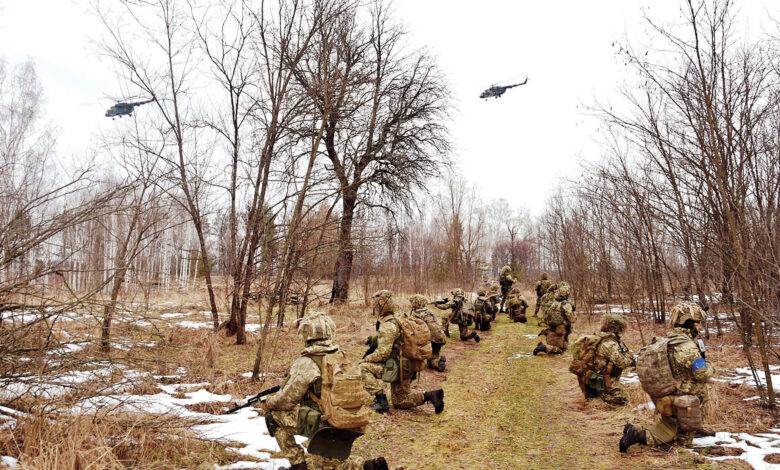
{"x": 609, "y": 353}
{"x": 506, "y": 281}
{"x": 457, "y": 316}
{"x": 386, "y": 338}
{"x": 305, "y": 374}
{"x": 688, "y": 366}
{"x": 542, "y": 287}
{"x": 517, "y": 303}
{"x": 433, "y": 322}
{"x": 545, "y": 302}
{"x": 562, "y": 307}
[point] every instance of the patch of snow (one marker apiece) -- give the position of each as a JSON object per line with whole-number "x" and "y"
{"x": 519, "y": 356}
{"x": 752, "y": 398}
{"x": 743, "y": 376}
{"x": 531, "y": 336}
{"x": 755, "y": 447}
{"x": 174, "y": 388}
{"x": 8, "y": 461}
{"x": 241, "y": 464}
{"x": 194, "y": 324}
{"x": 174, "y": 315}
{"x": 645, "y": 406}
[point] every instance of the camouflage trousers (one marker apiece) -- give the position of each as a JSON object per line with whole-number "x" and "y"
{"x": 504, "y": 294}
{"x": 433, "y": 361}
{"x": 294, "y": 453}
{"x": 538, "y": 304}
{"x": 404, "y": 397}
{"x": 463, "y": 330}
{"x": 666, "y": 432}
{"x": 557, "y": 339}
{"x": 614, "y": 394}
{"x": 371, "y": 374}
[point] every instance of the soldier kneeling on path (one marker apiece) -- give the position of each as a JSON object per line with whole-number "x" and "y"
{"x": 674, "y": 372}
{"x": 516, "y": 306}
{"x": 397, "y": 359}
{"x": 482, "y": 316}
{"x": 438, "y": 340}
{"x": 494, "y": 300}
{"x": 458, "y": 316}
{"x": 598, "y": 361}
{"x": 305, "y": 403}
{"x": 558, "y": 318}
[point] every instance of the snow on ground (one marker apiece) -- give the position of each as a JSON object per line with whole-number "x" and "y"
{"x": 520, "y": 355}
{"x": 742, "y": 375}
{"x": 645, "y": 406}
{"x": 629, "y": 378}
{"x": 10, "y": 462}
{"x": 531, "y": 336}
{"x": 754, "y": 447}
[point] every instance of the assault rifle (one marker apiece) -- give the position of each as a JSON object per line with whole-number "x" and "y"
{"x": 257, "y": 398}
{"x": 372, "y": 342}
{"x": 441, "y": 302}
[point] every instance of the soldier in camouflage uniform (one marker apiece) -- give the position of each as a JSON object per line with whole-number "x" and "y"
{"x": 494, "y": 299}
{"x": 305, "y": 378}
{"x": 458, "y": 316}
{"x": 611, "y": 358}
{"x": 438, "y": 340}
{"x": 372, "y": 366}
{"x": 506, "y": 280}
{"x": 482, "y": 316}
{"x": 516, "y": 306}
{"x": 690, "y": 369}
{"x": 542, "y": 286}
{"x": 558, "y": 318}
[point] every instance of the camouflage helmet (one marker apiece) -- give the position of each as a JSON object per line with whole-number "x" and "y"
{"x": 614, "y": 323}
{"x": 564, "y": 289}
{"x": 685, "y": 311}
{"x": 505, "y": 270}
{"x": 316, "y": 326}
{"x": 515, "y": 291}
{"x": 481, "y": 292}
{"x": 545, "y": 275}
{"x": 457, "y": 292}
{"x": 495, "y": 288}
{"x": 418, "y": 301}
{"x": 383, "y": 302}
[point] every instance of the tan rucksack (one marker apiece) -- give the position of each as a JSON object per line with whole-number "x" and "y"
{"x": 342, "y": 399}
{"x": 584, "y": 353}
{"x": 415, "y": 338}
{"x": 654, "y": 369}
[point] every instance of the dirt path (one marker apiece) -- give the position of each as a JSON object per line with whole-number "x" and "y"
{"x": 506, "y": 409}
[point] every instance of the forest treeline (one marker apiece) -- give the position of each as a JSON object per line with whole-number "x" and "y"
{"x": 298, "y": 152}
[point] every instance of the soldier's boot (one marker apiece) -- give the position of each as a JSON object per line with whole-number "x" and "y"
{"x": 442, "y": 364}
{"x": 378, "y": 463}
{"x": 705, "y": 433}
{"x": 476, "y": 337}
{"x": 380, "y": 404}
{"x": 436, "y": 397}
{"x": 298, "y": 466}
{"x": 540, "y": 348}
{"x": 632, "y": 435}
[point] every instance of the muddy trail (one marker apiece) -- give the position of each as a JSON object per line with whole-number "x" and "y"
{"x": 508, "y": 409}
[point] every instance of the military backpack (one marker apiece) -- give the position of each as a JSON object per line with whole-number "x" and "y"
{"x": 584, "y": 354}
{"x": 415, "y": 338}
{"x": 342, "y": 398}
{"x": 654, "y": 368}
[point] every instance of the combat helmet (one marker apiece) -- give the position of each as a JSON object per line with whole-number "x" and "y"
{"x": 316, "y": 326}
{"x": 612, "y": 322}
{"x": 564, "y": 289}
{"x": 505, "y": 270}
{"x": 514, "y": 291}
{"x": 418, "y": 301}
{"x": 495, "y": 288}
{"x": 458, "y": 292}
{"x": 685, "y": 311}
{"x": 481, "y": 292}
{"x": 545, "y": 275}
{"x": 383, "y": 302}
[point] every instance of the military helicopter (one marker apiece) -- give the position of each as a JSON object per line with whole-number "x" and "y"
{"x": 497, "y": 90}
{"x": 124, "y": 109}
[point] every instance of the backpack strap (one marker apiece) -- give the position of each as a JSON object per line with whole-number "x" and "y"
{"x": 317, "y": 385}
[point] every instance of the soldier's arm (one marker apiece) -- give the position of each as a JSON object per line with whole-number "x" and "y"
{"x": 388, "y": 332}
{"x": 611, "y": 350}
{"x": 445, "y": 306}
{"x": 303, "y": 373}
{"x": 689, "y": 357}
{"x": 568, "y": 312}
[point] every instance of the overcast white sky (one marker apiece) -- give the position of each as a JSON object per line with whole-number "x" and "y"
{"x": 512, "y": 147}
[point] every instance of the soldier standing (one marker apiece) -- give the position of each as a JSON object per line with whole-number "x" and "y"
{"x": 599, "y": 361}
{"x": 506, "y": 280}
{"x": 542, "y": 286}
{"x": 302, "y": 387}
{"x": 558, "y": 318}
{"x": 372, "y": 367}
{"x": 438, "y": 340}
{"x": 681, "y": 410}
{"x": 494, "y": 299}
{"x": 458, "y": 315}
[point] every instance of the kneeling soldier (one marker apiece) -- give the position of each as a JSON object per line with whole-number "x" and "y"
{"x": 438, "y": 340}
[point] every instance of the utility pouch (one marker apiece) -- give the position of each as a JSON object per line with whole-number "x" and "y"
{"x": 665, "y": 405}
{"x": 391, "y": 372}
{"x": 597, "y": 382}
{"x": 687, "y": 409}
{"x": 308, "y": 422}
